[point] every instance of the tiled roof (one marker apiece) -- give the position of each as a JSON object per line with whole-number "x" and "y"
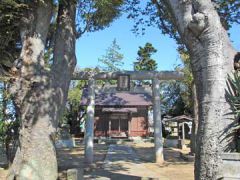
{"x": 180, "y": 118}
{"x": 118, "y": 99}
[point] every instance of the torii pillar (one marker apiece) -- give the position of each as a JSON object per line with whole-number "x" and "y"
{"x": 89, "y": 130}
{"x": 157, "y": 121}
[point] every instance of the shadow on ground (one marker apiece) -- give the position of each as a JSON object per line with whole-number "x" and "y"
{"x": 124, "y": 167}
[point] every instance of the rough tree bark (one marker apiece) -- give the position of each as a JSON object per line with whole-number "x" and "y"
{"x": 211, "y": 59}
{"x": 35, "y": 145}
{"x": 64, "y": 52}
{"x": 195, "y": 119}
{"x": 40, "y": 94}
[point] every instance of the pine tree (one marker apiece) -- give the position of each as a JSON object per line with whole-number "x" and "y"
{"x": 144, "y": 60}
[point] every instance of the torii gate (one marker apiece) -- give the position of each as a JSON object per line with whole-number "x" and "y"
{"x": 155, "y": 76}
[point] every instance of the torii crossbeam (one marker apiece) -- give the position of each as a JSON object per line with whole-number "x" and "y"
{"x": 134, "y": 75}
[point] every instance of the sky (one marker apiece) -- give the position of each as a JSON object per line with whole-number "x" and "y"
{"x": 92, "y": 46}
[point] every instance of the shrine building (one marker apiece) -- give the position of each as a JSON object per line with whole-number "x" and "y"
{"x": 120, "y": 114}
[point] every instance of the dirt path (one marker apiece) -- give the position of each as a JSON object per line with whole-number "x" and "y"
{"x": 124, "y": 162}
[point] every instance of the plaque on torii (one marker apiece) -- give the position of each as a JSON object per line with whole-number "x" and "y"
{"x": 123, "y": 82}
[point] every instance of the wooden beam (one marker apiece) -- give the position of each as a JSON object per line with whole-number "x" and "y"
{"x": 134, "y": 75}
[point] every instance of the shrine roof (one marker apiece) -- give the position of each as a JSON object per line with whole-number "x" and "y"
{"x": 119, "y": 98}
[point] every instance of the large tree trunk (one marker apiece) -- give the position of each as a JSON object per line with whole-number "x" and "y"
{"x": 41, "y": 95}
{"x": 212, "y": 59}
{"x": 35, "y": 157}
{"x": 64, "y": 60}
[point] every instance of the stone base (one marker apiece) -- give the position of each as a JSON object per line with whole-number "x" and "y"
{"x": 65, "y": 143}
{"x": 74, "y": 174}
{"x": 231, "y": 165}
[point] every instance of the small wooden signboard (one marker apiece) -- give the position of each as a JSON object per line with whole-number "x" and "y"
{"x": 123, "y": 82}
